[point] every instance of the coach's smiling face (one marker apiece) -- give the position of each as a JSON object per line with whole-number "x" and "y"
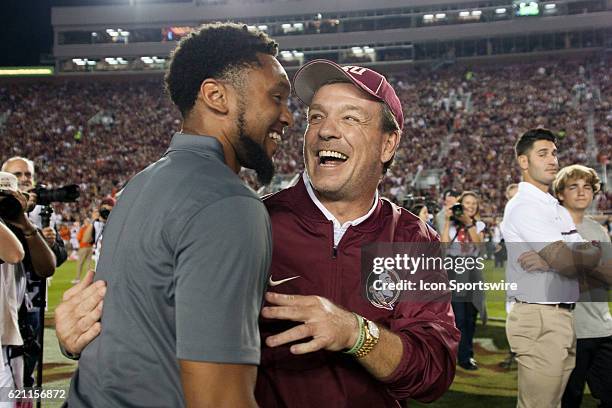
{"x": 344, "y": 145}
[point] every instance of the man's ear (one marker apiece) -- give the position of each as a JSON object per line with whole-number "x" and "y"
{"x": 523, "y": 162}
{"x": 214, "y": 95}
{"x": 560, "y": 196}
{"x": 390, "y": 144}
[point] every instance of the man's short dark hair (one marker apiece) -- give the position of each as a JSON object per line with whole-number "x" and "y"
{"x": 451, "y": 192}
{"x": 526, "y": 141}
{"x": 218, "y": 50}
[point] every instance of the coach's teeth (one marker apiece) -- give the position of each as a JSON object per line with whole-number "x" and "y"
{"x": 331, "y": 153}
{"x": 275, "y": 136}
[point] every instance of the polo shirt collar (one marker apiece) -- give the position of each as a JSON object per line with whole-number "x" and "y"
{"x": 530, "y": 190}
{"x": 206, "y": 145}
{"x": 327, "y": 213}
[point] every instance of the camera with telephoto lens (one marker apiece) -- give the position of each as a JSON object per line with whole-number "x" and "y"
{"x": 457, "y": 210}
{"x": 10, "y": 207}
{"x": 66, "y": 194}
{"x": 104, "y": 213}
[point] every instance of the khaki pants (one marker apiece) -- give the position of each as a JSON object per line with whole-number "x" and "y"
{"x": 83, "y": 260}
{"x": 544, "y": 340}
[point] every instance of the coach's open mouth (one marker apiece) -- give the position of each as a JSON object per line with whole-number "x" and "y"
{"x": 331, "y": 158}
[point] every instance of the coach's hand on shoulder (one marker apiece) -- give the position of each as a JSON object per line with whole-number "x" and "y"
{"x": 330, "y": 326}
{"x": 77, "y": 318}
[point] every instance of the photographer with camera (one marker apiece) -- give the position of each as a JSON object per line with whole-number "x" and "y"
{"x": 38, "y": 254}
{"x": 44, "y": 250}
{"x": 463, "y": 227}
{"x": 20, "y": 238}
{"x": 93, "y": 232}
{"x": 23, "y": 169}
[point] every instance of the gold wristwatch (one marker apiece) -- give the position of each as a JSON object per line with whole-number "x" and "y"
{"x": 372, "y": 335}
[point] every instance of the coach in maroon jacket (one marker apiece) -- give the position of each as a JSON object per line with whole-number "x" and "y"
{"x": 314, "y": 304}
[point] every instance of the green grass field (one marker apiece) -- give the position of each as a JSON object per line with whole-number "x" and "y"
{"x": 489, "y": 386}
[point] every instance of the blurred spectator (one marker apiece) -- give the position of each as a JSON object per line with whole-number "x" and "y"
{"x": 463, "y": 228}
{"x": 84, "y": 252}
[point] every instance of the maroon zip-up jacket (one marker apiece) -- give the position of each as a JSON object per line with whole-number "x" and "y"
{"x": 304, "y": 246}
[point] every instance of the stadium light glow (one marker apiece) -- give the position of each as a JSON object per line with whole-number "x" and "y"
{"x": 440, "y": 16}
{"x": 500, "y": 11}
{"x": 464, "y": 14}
{"x": 428, "y": 17}
{"x": 286, "y": 26}
{"x": 26, "y": 71}
{"x": 477, "y": 13}
{"x": 94, "y": 34}
{"x": 263, "y": 27}
{"x": 550, "y": 6}
{"x": 91, "y": 62}
{"x": 357, "y": 50}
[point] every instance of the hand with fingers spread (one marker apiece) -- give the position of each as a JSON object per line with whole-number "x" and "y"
{"x": 531, "y": 261}
{"x": 77, "y": 318}
{"x": 330, "y": 327}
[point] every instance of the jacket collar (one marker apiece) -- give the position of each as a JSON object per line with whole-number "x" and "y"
{"x": 305, "y": 208}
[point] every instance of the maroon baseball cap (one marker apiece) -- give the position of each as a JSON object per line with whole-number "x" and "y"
{"x": 316, "y": 73}
{"x": 108, "y": 201}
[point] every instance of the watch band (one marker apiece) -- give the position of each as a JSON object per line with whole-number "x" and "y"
{"x": 361, "y": 338}
{"x": 371, "y": 340}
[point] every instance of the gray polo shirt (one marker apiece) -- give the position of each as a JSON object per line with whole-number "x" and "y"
{"x": 593, "y": 318}
{"x": 186, "y": 254}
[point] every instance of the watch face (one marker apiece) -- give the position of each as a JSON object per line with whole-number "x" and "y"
{"x": 373, "y": 329}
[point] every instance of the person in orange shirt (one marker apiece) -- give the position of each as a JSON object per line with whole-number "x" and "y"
{"x": 84, "y": 253}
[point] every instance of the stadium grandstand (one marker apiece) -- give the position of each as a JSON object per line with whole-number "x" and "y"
{"x": 472, "y": 76}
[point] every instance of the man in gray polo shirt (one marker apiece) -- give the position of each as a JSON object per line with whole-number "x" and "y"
{"x": 188, "y": 246}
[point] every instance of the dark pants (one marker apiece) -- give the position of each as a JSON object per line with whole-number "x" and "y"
{"x": 465, "y": 319}
{"x": 30, "y": 360}
{"x": 594, "y": 366}
{"x": 499, "y": 261}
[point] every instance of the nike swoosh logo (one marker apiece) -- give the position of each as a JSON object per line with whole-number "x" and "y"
{"x": 278, "y": 282}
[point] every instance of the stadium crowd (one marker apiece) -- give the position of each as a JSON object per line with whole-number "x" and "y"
{"x": 99, "y": 133}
